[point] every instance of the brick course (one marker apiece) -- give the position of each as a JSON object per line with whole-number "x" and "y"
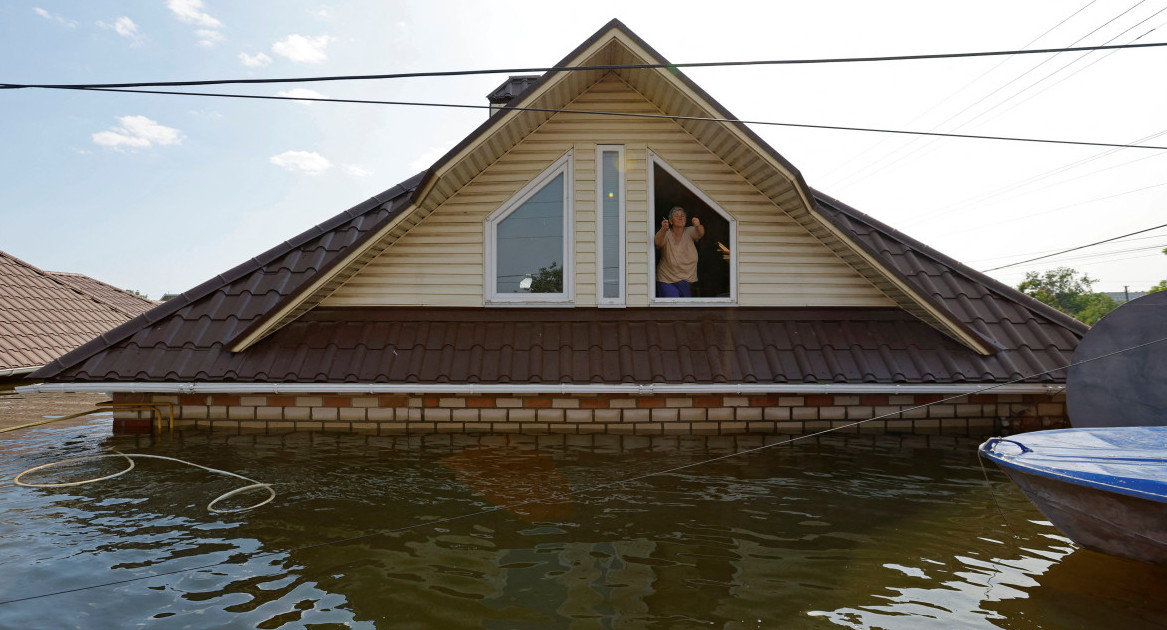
{"x": 600, "y": 413}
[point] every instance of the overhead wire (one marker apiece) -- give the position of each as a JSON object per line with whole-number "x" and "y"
{"x": 554, "y": 110}
{"x": 564, "y": 495}
{"x": 886, "y": 164}
{"x": 953, "y": 95}
{"x": 1096, "y": 59}
{"x": 948, "y": 209}
{"x": 1022, "y": 217}
{"x": 641, "y": 66}
{"x": 1020, "y": 184}
{"x": 1074, "y": 249}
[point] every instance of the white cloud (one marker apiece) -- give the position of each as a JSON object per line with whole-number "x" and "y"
{"x": 125, "y": 27}
{"x": 431, "y": 155}
{"x": 301, "y": 93}
{"x": 303, "y": 49}
{"x": 137, "y": 132}
{"x": 324, "y": 12}
{"x": 207, "y": 37}
{"x": 356, "y": 171}
{"x": 191, "y": 12}
{"x": 256, "y": 61}
{"x": 306, "y": 162}
{"x": 53, "y": 17}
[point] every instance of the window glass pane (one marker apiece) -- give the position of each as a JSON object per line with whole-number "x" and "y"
{"x": 529, "y": 244}
{"x": 611, "y": 214}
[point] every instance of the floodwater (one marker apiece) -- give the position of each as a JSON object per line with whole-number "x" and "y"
{"x": 841, "y": 531}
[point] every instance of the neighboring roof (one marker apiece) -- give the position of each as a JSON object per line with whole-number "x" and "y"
{"x": 45, "y": 314}
{"x": 118, "y": 299}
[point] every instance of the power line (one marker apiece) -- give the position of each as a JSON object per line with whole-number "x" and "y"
{"x": 642, "y": 66}
{"x": 951, "y": 96}
{"x": 1073, "y": 249}
{"x": 886, "y": 164}
{"x": 553, "y": 110}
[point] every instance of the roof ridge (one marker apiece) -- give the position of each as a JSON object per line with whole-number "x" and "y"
{"x": 52, "y": 277}
{"x": 99, "y": 298}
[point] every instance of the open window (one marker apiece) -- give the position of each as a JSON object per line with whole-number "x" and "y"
{"x": 529, "y": 239}
{"x": 716, "y": 251}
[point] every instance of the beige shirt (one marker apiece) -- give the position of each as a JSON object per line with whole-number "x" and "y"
{"x": 678, "y": 259}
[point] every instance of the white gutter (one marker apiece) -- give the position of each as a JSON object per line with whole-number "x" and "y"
{"x": 646, "y": 389}
{"x": 18, "y": 371}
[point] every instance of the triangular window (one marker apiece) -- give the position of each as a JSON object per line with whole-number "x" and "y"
{"x": 711, "y": 278}
{"x": 528, "y": 241}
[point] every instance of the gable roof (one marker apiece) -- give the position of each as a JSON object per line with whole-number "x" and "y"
{"x": 187, "y": 339}
{"x": 45, "y": 314}
{"x": 223, "y": 329}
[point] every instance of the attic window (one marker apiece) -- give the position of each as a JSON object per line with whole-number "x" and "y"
{"x": 528, "y": 241}
{"x": 716, "y": 250}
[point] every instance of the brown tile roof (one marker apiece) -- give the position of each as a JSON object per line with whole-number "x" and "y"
{"x": 113, "y": 297}
{"x": 44, "y": 314}
{"x": 185, "y": 340}
{"x": 675, "y": 345}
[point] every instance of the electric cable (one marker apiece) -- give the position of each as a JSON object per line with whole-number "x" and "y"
{"x": 564, "y": 495}
{"x": 553, "y": 110}
{"x": 640, "y": 66}
{"x": 1074, "y": 249}
{"x": 885, "y": 164}
{"x": 1021, "y": 184}
{"x": 948, "y": 98}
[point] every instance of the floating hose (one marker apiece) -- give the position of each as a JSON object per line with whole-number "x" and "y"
{"x": 130, "y": 459}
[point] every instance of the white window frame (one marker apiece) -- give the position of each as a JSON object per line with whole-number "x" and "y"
{"x": 655, "y": 160}
{"x": 621, "y": 299}
{"x": 562, "y": 165}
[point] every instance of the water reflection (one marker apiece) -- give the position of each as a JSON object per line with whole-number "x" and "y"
{"x": 368, "y": 532}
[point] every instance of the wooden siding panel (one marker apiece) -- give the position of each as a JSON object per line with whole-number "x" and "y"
{"x": 440, "y": 260}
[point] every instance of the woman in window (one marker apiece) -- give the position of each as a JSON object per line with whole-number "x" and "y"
{"x": 677, "y": 270}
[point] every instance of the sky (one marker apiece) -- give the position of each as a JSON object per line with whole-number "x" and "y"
{"x": 160, "y": 193}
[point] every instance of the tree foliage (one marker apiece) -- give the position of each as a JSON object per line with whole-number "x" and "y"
{"x": 548, "y": 280}
{"x": 1066, "y": 290}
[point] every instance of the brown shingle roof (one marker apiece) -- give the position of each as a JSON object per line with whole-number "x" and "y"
{"x": 185, "y": 339}
{"x": 675, "y": 345}
{"x": 45, "y": 314}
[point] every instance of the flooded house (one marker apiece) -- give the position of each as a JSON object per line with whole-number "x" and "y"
{"x": 44, "y": 314}
{"x": 513, "y": 287}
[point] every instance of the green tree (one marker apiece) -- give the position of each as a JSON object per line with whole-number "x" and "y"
{"x": 548, "y": 280}
{"x": 1066, "y": 290}
{"x": 1162, "y": 286}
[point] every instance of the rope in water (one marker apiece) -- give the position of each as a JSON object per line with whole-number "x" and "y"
{"x": 130, "y": 459}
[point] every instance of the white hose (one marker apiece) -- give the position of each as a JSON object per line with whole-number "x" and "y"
{"x": 130, "y": 459}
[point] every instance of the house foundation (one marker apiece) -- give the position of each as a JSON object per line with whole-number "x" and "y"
{"x": 974, "y": 414}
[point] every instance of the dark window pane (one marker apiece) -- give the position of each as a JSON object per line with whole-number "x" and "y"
{"x": 530, "y": 244}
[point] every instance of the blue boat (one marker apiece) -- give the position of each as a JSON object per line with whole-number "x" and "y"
{"x": 1104, "y": 488}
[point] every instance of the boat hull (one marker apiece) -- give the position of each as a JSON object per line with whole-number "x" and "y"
{"x": 1107, "y": 522}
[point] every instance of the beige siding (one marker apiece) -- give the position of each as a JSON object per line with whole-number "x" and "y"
{"x": 441, "y": 260}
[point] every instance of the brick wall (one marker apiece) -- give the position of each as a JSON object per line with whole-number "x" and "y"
{"x": 601, "y": 413}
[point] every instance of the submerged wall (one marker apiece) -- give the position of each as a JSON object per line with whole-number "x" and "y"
{"x": 598, "y": 413}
